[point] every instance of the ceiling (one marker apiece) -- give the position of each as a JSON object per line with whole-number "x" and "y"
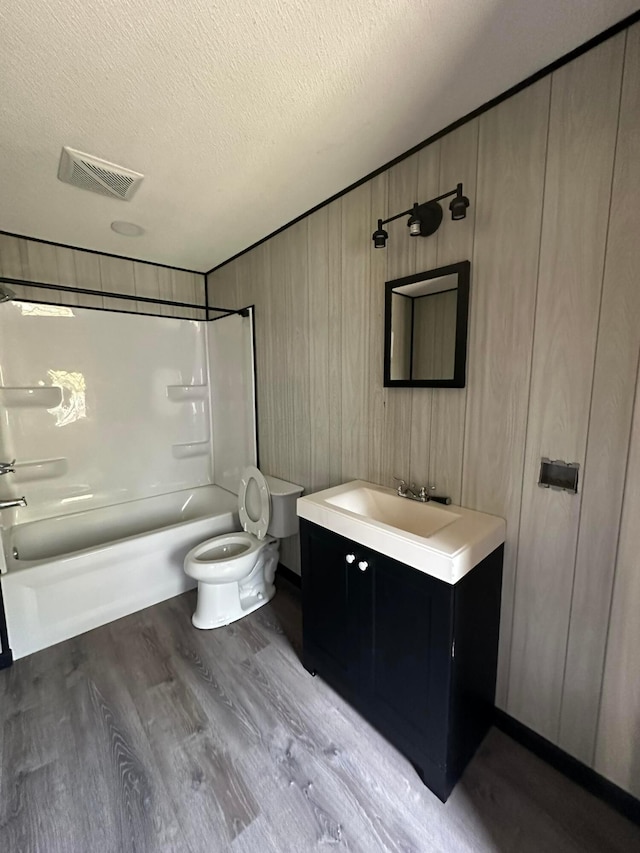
{"x": 244, "y": 115}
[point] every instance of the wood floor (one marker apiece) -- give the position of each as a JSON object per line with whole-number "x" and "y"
{"x": 147, "y": 735}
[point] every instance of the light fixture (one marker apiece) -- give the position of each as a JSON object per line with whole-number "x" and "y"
{"x": 380, "y": 236}
{"x": 459, "y": 204}
{"x": 414, "y": 224}
{"x": 424, "y": 219}
{"x": 127, "y": 229}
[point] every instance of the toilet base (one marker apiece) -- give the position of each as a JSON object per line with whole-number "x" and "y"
{"x": 221, "y": 604}
{"x": 225, "y": 615}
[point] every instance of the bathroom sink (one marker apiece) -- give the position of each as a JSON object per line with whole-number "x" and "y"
{"x": 423, "y": 519}
{"x": 445, "y": 542}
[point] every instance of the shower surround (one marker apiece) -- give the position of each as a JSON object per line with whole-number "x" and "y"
{"x": 116, "y": 422}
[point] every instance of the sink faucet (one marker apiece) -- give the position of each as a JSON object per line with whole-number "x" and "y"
{"x": 420, "y": 493}
{"x": 7, "y": 467}
{"x": 403, "y": 490}
{"x": 11, "y": 503}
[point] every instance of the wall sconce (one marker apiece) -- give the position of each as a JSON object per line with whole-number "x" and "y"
{"x": 424, "y": 219}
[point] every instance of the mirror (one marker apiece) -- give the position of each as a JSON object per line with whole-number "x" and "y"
{"x": 425, "y": 334}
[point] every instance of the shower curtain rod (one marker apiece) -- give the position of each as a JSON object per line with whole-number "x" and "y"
{"x": 66, "y": 289}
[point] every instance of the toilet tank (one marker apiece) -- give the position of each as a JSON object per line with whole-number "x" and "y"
{"x": 284, "y": 519}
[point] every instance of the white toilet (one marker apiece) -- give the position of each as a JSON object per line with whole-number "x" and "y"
{"x": 235, "y": 571}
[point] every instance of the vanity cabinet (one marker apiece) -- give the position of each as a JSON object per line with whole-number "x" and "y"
{"x": 414, "y": 655}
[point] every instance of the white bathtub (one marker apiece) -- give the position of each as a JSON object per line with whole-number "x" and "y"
{"x": 69, "y": 574}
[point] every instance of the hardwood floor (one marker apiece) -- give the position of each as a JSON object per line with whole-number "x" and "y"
{"x": 148, "y": 735}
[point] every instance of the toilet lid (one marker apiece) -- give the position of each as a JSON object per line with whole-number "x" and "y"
{"x": 254, "y": 502}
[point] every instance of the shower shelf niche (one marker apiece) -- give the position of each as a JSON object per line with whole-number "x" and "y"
{"x": 185, "y": 393}
{"x": 30, "y": 397}
{"x": 191, "y": 449}
{"x": 40, "y": 469}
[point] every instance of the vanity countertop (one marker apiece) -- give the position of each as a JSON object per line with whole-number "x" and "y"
{"x": 445, "y": 542}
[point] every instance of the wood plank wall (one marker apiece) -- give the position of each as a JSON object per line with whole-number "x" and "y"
{"x": 553, "y": 175}
{"x": 21, "y": 258}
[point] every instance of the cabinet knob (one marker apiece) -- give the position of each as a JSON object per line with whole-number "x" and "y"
{"x": 363, "y": 565}
{"x": 350, "y": 558}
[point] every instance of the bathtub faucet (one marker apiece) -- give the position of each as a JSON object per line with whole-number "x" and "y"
{"x": 12, "y": 503}
{"x": 7, "y": 467}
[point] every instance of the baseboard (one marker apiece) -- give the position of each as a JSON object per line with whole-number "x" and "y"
{"x": 288, "y": 575}
{"x": 6, "y": 659}
{"x": 614, "y": 796}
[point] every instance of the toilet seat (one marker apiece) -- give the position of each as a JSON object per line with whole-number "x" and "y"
{"x": 224, "y": 548}
{"x": 229, "y": 557}
{"x": 254, "y": 504}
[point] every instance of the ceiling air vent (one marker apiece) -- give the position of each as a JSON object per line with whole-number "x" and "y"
{"x": 98, "y": 176}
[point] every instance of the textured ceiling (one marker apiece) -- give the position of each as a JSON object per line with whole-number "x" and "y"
{"x": 244, "y": 115}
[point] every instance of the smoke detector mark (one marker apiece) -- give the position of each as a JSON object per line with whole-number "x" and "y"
{"x": 96, "y": 175}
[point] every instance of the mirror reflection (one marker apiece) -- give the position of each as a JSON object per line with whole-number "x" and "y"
{"x": 426, "y": 327}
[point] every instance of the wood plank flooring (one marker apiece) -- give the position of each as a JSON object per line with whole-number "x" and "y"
{"x": 148, "y": 735}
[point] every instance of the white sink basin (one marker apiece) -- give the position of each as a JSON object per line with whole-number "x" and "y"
{"x": 445, "y": 542}
{"x": 410, "y": 516}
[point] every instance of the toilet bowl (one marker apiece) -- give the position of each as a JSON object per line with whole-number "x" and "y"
{"x": 236, "y": 571}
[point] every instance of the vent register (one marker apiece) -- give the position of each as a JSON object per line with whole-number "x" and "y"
{"x": 98, "y": 176}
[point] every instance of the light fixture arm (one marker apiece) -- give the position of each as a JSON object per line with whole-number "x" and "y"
{"x": 457, "y": 191}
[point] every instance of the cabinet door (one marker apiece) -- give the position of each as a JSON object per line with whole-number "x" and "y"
{"x": 330, "y": 605}
{"x": 408, "y": 673}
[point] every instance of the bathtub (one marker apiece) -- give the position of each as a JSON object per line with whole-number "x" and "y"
{"x": 69, "y": 574}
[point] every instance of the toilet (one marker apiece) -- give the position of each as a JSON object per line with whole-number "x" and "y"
{"x": 235, "y": 571}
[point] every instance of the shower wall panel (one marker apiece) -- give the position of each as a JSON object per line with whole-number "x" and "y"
{"x": 99, "y": 408}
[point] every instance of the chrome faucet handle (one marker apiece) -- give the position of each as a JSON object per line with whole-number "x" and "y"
{"x": 423, "y": 494}
{"x": 7, "y": 467}
{"x": 8, "y": 464}
{"x": 402, "y": 486}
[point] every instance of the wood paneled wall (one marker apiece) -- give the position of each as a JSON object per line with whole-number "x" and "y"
{"x": 30, "y": 260}
{"x": 553, "y": 175}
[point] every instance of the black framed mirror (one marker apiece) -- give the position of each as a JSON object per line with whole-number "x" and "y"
{"x": 425, "y": 328}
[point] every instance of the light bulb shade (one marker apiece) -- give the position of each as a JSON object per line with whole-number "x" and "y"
{"x": 413, "y": 223}
{"x": 425, "y": 219}
{"x": 458, "y": 206}
{"x": 380, "y": 237}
